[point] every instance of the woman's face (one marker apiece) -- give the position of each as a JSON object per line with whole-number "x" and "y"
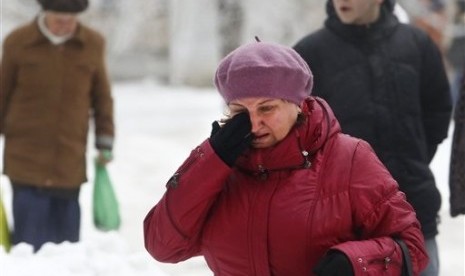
{"x": 61, "y": 24}
{"x": 357, "y": 12}
{"x": 271, "y": 119}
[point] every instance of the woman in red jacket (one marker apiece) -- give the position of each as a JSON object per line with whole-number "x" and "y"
{"x": 277, "y": 189}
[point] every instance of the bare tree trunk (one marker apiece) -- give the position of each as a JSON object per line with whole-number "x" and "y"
{"x": 230, "y": 21}
{"x": 194, "y": 45}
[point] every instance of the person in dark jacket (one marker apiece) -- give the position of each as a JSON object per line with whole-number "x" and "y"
{"x": 387, "y": 85}
{"x": 457, "y": 162}
{"x": 53, "y": 81}
{"x": 277, "y": 189}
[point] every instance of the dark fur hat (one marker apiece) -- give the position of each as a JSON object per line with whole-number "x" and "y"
{"x": 72, "y": 6}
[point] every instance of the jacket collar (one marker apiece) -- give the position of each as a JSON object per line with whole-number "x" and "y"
{"x": 297, "y": 149}
{"x": 35, "y": 36}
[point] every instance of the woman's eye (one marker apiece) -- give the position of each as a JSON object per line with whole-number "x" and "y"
{"x": 234, "y": 112}
{"x": 266, "y": 108}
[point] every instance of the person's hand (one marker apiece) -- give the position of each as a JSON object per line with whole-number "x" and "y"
{"x": 104, "y": 157}
{"x": 232, "y": 139}
{"x": 334, "y": 264}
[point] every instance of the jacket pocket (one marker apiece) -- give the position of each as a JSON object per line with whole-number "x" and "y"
{"x": 32, "y": 74}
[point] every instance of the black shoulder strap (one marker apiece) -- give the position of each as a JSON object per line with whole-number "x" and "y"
{"x": 406, "y": 261}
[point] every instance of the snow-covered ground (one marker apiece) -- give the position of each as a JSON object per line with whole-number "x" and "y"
{"x": 157, "y": 127}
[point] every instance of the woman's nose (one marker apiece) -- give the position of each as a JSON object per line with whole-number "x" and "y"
{"x": 256, "y": 122}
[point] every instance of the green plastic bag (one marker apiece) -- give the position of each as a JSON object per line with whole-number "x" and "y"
{"x": 5, "y": 238}
{"x": 105, "y": 204}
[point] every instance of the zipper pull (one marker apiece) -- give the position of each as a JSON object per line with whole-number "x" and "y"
{"x": 262, "y": 173}
{"x": 387, "y": 261}
{"x": 307, "y": 163}
{"x": 173, "y": 181}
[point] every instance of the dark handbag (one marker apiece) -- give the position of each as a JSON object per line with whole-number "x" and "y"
{"x": 406, "y": 261}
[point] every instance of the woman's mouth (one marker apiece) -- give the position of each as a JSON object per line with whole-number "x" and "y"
{"x": 257, "y": 138}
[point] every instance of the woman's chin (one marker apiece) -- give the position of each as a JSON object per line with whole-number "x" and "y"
{"x": 262, "y": 143}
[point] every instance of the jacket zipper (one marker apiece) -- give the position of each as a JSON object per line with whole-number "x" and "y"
{"x": 173, "y": 182}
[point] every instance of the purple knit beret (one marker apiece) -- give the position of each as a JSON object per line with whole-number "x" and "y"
{"x": 264, "y": 69}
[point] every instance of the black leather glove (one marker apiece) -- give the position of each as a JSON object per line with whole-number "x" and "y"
{"x": 232, "y": 139}
{"x": 334, "y": 264}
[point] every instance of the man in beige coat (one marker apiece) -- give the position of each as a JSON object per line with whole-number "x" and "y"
{"x": 53, "y": 81}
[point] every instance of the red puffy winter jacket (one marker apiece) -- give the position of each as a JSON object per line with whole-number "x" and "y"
{"x": 279, "y": 210}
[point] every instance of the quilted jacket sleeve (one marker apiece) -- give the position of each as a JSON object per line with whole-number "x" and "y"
{"x": 380, "y": 212}
{"x": 102, "y": 100}
{"x": 173, "y": 227}
{"x": 435, "y": 93}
